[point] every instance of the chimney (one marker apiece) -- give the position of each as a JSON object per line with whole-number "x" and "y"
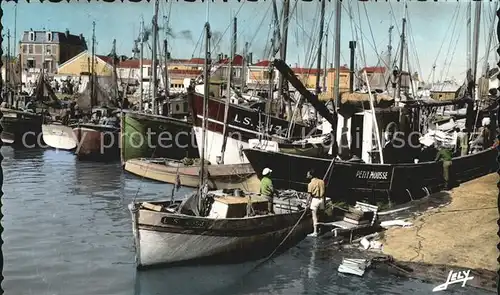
{"x": 250, "y": 57}
{"x": 67, "y": 33}
{"x": 225, "y": 56}
{"x": 81, "y": 36}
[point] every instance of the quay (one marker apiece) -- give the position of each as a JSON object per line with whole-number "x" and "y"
{"x": 462, "y": 234}
{"x": 456, "y": 232}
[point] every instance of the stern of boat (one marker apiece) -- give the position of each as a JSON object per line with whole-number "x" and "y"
{"x": 134, "y": 212}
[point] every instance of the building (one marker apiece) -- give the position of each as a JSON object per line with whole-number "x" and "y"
{"x": 51, "y": 48}
{"x": 447, "y": 90}
{"x": 81, "y": 65}
{"x": 257, "y": 76}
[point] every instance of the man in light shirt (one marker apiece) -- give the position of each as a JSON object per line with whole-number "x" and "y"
{"x": 316, "y": 188}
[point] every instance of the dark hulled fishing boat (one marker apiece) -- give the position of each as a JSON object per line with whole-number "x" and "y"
{"x": 400, "y": 180}
{"x": 21, "y": 128}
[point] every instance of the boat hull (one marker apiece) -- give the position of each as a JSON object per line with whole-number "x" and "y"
{"x": 219, "y": 176}
{"x": 350, "y": 182}
{"x": 97, "y": 142}
{"x": 170, "y": 239}
{"x": 59, "y": 136}
{"x": 21, "y": 129}
{"x": 176, "y": 141}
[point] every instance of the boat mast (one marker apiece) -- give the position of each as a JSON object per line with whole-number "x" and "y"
{"x": 468, "y": 41}
{"x": 336, "y": 94}
{"x": 92, "y": 86}
{"x": 338, "y": 11}
{"x": 284, "y": 40}
{"x": 320, "y": 47}
{"x": 206, "y": 86}
{"x": 389, "y": 48}
{"x": 477, "y": 23}
{"x": 7, "y": 64}
{"x": 244, "y": 67}
{"x": 141, "y": 70}
{"x": 401, "y": 57}
{"x": 228, "y": 87}
{"x": 115, "y": 75}
{"x": 167, "y": 83}
{"x": 325, "y": 63}
{"x": 488, "y": 45}
{"x": 153, "y": 58}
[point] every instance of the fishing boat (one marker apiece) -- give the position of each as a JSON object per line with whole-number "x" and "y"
{"x": 59, "y": 136}
{"x": 21, "y": 128}
{"x": 100, "y": 138}
{"x": 187, "y": 174}
{"x": 220, "y": 230}
{"x": 397, "y": 180}
{"x": 151, "y": 134}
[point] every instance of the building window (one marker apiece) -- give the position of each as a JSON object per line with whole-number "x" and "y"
{"x": 30, "y": 49}
{"x": 25, "y": 48}
{"x": 49, "y": 36}
{"x": 48, "y": 49}
{"x": 31, "y": 63}
{"x": 32, "y": 36}
{"x": 150, "y": 72}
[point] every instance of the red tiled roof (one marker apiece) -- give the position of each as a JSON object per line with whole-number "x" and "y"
{"x": 262, "y": 63}
{"x": 133, "y": 63}
{"x": 196, "y": 61}
{"x": 237, "y": 60}
{"x": 105, "y": 58}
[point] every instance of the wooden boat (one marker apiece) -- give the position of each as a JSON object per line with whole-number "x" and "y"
{"x": 351, "y": 181}
{"x": 175, "y": 172}
{"x": 98, "y": 141}
{"x": 155, "y": 136}
{"x": 59, "y": 136}
{"x": 166, "y": 233}
{"x": 21, "y": 128}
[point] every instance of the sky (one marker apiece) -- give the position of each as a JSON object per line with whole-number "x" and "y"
{"x": 436, "y": 31}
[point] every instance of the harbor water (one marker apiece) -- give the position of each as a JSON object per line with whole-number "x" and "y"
{"x": 67, "y": 231}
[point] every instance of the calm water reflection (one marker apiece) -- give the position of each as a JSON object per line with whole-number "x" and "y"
{"x": 68, "y": 232}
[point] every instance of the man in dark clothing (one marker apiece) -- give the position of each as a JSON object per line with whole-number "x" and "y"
{"x": 445, "y": 155}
